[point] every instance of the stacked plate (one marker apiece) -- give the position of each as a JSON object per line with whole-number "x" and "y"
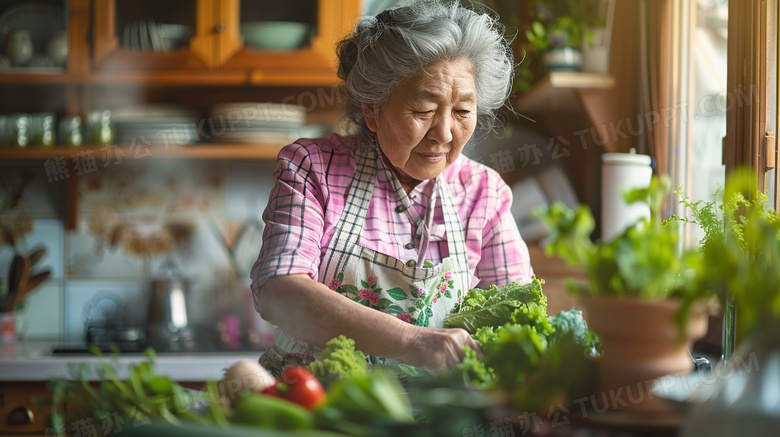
{"x": 164, "y": 125}
{"x": 146, "y": 35}
{"x": 261, "y": 123}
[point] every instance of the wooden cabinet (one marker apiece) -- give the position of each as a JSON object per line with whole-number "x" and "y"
{"x": 211, "y": 59}
{"x": 214, "y": 50}
{"x": 23, "y": 409}
{"x": 211, "y": 65}
{"x": 117, "y": 32}
{"x": 105, "y": 43}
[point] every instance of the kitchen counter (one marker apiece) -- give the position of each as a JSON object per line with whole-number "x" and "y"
{"x": 33, "y": 361}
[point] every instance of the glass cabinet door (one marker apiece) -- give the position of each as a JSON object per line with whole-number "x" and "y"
{"x": 290, "y": 42}
{"x": 33, "y": 36}
{"x": 153, "y": 34}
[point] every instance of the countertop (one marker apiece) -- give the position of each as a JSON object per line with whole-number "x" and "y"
{"x": 33, "y": 361}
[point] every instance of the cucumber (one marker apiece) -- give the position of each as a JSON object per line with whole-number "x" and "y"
{"x": 264, "y": 411}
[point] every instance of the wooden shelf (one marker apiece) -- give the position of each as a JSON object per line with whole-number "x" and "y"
{"x": 196, "y": 151}
{"x": 70, "y": 155}
{"x": 223, "y": 77}
{"x": 559, "y": 91}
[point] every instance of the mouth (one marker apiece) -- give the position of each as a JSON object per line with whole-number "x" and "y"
{"x": 432, "y": 158}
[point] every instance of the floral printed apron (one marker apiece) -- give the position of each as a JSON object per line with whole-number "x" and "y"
{"x": 415, "y": 291}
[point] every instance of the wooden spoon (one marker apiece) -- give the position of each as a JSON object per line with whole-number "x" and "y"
{"x": 36, "y": 256}
{"x": 32, "y": 284}
{"x": 17, "y": 280}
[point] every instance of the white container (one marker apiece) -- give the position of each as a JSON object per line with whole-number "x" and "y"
{"x": 57, "y": 47}
{"x": 595, "y": 56}
{"x": 19, "y": 48}
{"x": 620, "y": 173}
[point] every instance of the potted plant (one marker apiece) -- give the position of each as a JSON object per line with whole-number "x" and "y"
{"x": 740, "y": 262}
{"x": 635, "y": 296}
{"x": 740, "y": 253}
{"x": 558, "y": 29}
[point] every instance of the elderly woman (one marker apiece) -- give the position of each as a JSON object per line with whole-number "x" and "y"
{"x": 378, "y": 235}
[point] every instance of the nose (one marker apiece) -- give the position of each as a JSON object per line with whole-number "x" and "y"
{"x": 441, "y": 129}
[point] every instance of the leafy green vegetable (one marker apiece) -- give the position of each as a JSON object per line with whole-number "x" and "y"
{"x": 144, "y": 397}
{"x": 514, "y": 351}
{"x": 363, "y": 404}
{"x": 535, "y": 367}
{"x": 572, "y": 322}
{"x": 497, "y": 305}
{"x": 339, "y": 357}
{"x": 474, "y": 370}
{"x": 563, "y": 373}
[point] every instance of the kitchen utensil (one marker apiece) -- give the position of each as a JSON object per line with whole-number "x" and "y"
{"x": 19, "y": 47}
{"x": 154, "y": 35}
{"x": 246, "y": 246}
{"x": 275, "y": 35}
{"x": 41, "y": 19}
{"x": 57, "y": 47}
{"x": 20, "y": 127}
{"x": 32, "y": 283}
{"x": 134, "y": 43}
{"x": 5, "y": 131}
{"x": 70, "y": 131}
{"x": 126, "y": 39}
{"x": 100, "y": 128}
{"x": 18, "y": 275}
{"x": 143, "y": 35}
{"x": 167, "y": 321}
{"x": 174, "y": 36}
{"x": 36, "y": 255}
{"x": 42, "y": 131}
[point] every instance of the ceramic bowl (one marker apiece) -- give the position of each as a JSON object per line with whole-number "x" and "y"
{"x": 174, "y": 36}
{"x": 275, "y": 35}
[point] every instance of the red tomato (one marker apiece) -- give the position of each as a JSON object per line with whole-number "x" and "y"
{"x": 300, "y": 386}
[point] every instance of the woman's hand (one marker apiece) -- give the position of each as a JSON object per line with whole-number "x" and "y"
{"x": 438, "y": 350}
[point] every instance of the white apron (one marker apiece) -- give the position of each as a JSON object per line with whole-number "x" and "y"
{"x": 415, "y": 291}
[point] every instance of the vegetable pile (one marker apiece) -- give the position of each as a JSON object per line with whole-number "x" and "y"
{"x": 248, "y": 396}
{"x": 529, "y": 360}
{"x": 527, "y": 353}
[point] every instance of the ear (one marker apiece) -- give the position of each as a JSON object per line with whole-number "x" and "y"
{"x": 370, "y": 114}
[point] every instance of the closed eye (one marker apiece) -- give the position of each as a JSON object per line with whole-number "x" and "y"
{"x": 424, "y": 114}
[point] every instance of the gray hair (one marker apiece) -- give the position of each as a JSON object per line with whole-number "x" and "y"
{"x": 399, "y": 43}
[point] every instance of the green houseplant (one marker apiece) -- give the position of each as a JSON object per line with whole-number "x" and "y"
{"x": 740, "y": 262}
{"x": 636, "y": 296}
{"x": 559, "y": 27}
{"x": 740, "y": 251}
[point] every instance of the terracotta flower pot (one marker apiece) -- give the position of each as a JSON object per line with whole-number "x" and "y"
{"x": 642, "y": 342}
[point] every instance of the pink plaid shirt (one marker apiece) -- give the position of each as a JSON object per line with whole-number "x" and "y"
{"x": 312, "y": 178}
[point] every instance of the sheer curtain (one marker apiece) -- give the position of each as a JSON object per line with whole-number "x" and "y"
{"x": 684, "y": 50}
{"x": 706, "y": 172}
{"x": 656, "y": 56}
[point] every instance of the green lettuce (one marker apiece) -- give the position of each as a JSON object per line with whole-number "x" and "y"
{"x": 497, "y": 306}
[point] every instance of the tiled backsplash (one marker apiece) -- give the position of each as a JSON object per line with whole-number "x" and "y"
{"x": 130, "y": 220}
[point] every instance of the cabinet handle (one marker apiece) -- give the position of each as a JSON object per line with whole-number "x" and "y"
{"x": 219, "y": 28}
{"x": 20, "y": 416}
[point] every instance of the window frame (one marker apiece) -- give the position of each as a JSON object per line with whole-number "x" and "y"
{"x": 748, "y": 141}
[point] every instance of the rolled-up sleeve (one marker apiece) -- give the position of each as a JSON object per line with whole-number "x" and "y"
{"x": 294, "y": 217}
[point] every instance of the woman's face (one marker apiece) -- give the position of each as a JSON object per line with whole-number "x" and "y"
{"x": 427, "y": 120}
